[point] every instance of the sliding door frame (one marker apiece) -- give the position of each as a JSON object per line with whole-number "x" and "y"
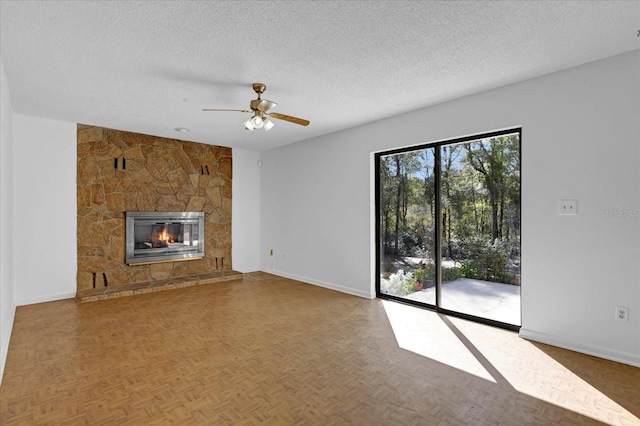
{"x": 438, "y": 223}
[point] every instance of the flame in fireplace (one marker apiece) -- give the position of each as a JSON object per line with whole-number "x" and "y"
{"x": 165, "y": 236}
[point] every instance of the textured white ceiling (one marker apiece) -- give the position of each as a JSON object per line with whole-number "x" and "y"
{"x": 151, "y": 66}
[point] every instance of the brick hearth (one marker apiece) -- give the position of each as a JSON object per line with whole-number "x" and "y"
{"x": 104, "y": 293}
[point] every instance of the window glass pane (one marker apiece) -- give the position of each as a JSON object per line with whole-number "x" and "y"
{"x": 407, "y": 225}
{"x": 480, "y": 193}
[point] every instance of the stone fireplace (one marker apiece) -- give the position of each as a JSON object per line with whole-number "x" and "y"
{"x": 122, "y": 172}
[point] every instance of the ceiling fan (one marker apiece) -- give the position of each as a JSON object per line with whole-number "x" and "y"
{"x": 261, "y": 115}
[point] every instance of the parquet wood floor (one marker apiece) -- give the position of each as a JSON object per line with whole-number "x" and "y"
{"x": 268, "y": 350}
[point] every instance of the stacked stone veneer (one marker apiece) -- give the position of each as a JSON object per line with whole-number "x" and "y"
{"x": 164, "y": 175}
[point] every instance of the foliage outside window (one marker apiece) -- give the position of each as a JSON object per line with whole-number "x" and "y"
{"x": 479, "y": 189}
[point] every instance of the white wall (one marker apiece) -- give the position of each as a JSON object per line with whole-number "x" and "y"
{"x": 245, "y": 222}
{"x": 45, "y": 210}
{"x": 7, "y": 303}
{"x": 315, "y": 212}
{"x": 580, "y": 139}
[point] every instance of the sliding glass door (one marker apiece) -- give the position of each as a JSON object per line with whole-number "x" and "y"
{"x": 448, "y": 224}
{"x": 407, "y": 215}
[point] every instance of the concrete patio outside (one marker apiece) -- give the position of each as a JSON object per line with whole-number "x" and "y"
{"x": 495, "y": 301}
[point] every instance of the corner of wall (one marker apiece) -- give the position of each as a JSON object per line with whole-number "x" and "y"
{"x": 7, "y": 299}
{"x": 6, "y": 333}
{"x": 246, "y": 210}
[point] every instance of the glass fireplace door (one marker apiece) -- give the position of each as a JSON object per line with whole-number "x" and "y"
{"x": 159, "y": 236}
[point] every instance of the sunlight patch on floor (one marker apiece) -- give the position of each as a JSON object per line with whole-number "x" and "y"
{"x": 415, "y": 329}
{"x": 585, "y": 399}
{"x": 500, "y": 356}
{"x": 531, "y": 371}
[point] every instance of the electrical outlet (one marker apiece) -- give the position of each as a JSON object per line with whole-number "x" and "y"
{"x": 622, "y": 313}
{"x": 568, "y": 207}
{"x": 271, "y": 252}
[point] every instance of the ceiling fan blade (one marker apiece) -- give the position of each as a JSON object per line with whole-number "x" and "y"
{"x": 261, "y": 105}
{"x": 266, "y": 105}
{"x": 295, "y": 120}
{"x": 236, "y": 110}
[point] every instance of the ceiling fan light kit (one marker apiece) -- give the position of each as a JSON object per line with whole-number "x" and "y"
{"x": 258, "y": 121}
{"x": 261, "y": 116}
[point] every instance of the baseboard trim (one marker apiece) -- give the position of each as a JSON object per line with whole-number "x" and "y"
{"x": 617, "y": 356}
{"x": 319, "y": 283}
{"x": 46, "y": 298}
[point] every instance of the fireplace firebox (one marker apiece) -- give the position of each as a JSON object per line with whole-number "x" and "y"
{"x": 164, "y": 236}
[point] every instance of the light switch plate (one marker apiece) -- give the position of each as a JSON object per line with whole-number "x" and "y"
{"x": 568, "y": 207}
